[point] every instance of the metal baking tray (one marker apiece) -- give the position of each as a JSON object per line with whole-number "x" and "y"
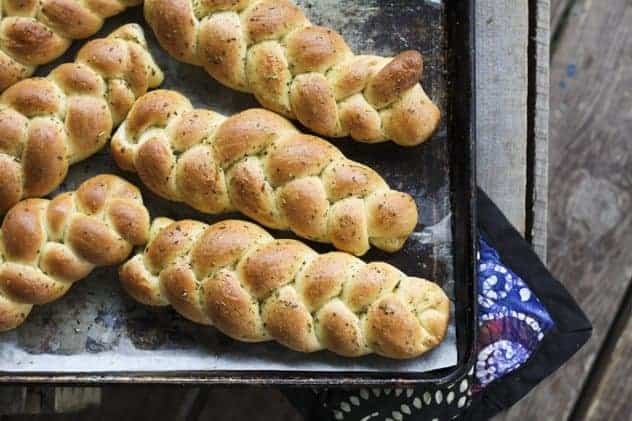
{"x": 96, "y": 334}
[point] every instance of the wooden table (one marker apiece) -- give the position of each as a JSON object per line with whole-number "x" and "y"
{"x": 590, "y": 191}
{"x": 589, "y": 230}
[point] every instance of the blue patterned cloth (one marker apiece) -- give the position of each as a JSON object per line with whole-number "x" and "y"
{"x": 512, "y": 321}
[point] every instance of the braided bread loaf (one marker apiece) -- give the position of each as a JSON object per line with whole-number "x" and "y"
{"x": 33, "y": 33}
{"x": 46, "y": 245}
{"x": 306, "y": 72}
{"x": 48, "y": 124}
{"x": 258, "y": 163}
{"x": 235, "y": 276}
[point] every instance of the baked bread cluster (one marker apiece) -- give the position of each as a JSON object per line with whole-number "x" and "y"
{"x": 235, "y": 276}
{"x": 257, "y": 162}
{"x": 47, "y": 245}
{"x": 33, "y": 33}
{"x": 302, "y": 71}
{"x": 47, "y": 124}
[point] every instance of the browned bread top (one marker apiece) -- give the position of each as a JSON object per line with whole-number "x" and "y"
{"x": 306, "y": 72}
{"x": 47, "y": 245}
{"x": 235, "y": 276}
{"x": 47, "y": 124}
{"x": 37, "y": 32}
{"x": 257, "y": 162}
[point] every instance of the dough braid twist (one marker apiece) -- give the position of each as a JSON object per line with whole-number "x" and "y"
{"x": 36, "y": 32}
{"x": 305, "y": 72}
{"x": 258, "y": 163}
{"x": 47, "y": 124}
{"x": 235, "y": 276}
{"x": 46, "y": 245}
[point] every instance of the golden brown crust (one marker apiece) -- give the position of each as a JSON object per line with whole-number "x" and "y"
{"x": 12, "y": 186}
{"x": 268, "y": 267}
{"x": 223, "y": 244}
{"x": 270, "y": 49}
{"x": 46, "y": 245}
{"x": 12, "y": 314}
{"x": 270, "y": 19}
{"x": 174, "y": 239}
{"x": 59, "y": 261}
{"x": 324, "y": 278}
{"x": 314, "y": 105}
{"x": 340, "y": 331}
{"x": 33, "y": 33}
{"x": 231, "y": 308}
{"x": 70, "y": 20}
{"x": 44, "y": 160}
{"x": 393, "y": 329}
{"x": 27, "y": 284}
{"x": 140, "y": 283}
{"x": 50, "y": 123}
{"x": 258, "y": 163}
{"x": 247, "y": 133}
{"x": 180, "y": 289}
{"x": 23, "y": 230}
{"x": 305, "y": 205}
{"x": 315, "y": 49}
{"x": 31, "y": 41}
{"x": 398, "y": 76}
{"x": 299, "y": 155}
{"x": 254, "y": 288}
{"x": 173, "y": 19}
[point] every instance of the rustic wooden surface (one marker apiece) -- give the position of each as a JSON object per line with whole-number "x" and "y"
{"x": 501, "y": 80}
{"x": 559, "y": 9}
{"x": 609, "y": 393}
{"x": 502, "y": 36}
{"x": 590, "y": 226}
{"x": 149, "y": 403}
{"x": 538, "y": 126}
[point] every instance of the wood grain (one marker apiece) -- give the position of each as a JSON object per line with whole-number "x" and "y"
{"x": 239, "y": 404}
{"x": 12, "y": 400}
{"x": 609, "y": 397}
{"x": 590, "y": 235}
{"x": 72, "y": 399}
{"x": 501, "y": 79}
{"x": 149, "y": 403}
{"x": 558, "y": 9}
{"x": 540, "y": 125}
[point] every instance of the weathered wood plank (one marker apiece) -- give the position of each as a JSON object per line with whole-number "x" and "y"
{"x": 501, "y": 82}
{"x": 609, "y": 396}
{"x": 12, "y": 400}
{"x": 558, "y": 9}
{"x": 252, "y": 404}
{"x": 72, "y": 399}
{"x": 540, "y": 125}
{"x": 590, "y": 184}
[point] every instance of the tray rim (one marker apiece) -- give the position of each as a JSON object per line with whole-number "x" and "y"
{"x": 465, "y": 109}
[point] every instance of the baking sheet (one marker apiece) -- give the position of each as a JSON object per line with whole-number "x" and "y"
{"x": 96, "y": 328}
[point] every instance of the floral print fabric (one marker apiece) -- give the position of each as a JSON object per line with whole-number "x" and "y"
{"x": 511, "y": 319}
